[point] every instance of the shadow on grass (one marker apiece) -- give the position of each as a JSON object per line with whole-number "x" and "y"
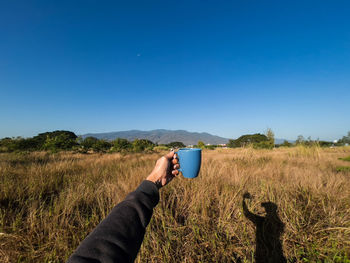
{"x": 269, "y": 229}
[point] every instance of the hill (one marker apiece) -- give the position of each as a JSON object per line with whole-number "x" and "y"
{"x": 161, "y": 136}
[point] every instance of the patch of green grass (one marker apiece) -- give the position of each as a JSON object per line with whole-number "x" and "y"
{"x": 343, "y": 169}
{"x": 345, "y": 159}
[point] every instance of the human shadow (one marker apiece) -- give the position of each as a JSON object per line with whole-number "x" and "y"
{"x": 269, "y": 229}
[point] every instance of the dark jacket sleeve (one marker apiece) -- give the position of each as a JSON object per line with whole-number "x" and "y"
{"x": 119, "y": 236}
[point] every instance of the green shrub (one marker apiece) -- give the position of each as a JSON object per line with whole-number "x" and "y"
{"x": 345, "y": 159}
{"x": 264, "y": 145}
{"x": 201, "y": 144}
{"x": 160, "y": 148}
{"x": 210, "y": 147}
{"x": 286, "y": 144}
{"x": 343, "y": 169}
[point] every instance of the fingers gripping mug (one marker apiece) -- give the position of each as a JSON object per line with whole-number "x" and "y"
{"x": 190, "y": 160}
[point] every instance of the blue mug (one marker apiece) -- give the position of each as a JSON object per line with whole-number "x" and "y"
{"x": 190, "y": 160}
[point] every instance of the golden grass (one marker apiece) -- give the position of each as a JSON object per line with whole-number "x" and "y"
{"x": 50, "y": 202}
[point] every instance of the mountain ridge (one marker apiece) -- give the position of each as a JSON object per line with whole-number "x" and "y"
{"x": 163, "y": 136}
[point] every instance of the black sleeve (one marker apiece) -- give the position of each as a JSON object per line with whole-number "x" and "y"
{"x": 119, "y": 236}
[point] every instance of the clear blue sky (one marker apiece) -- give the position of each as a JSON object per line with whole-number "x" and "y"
{"x": 224, "y": 67}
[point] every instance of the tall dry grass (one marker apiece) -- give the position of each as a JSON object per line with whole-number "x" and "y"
{"x": 50, "y": 202}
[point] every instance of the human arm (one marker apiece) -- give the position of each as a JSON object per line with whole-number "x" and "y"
{"x": 252, "y": 217}
{"x": 119, "y": 236}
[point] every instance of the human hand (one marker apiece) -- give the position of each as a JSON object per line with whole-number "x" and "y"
{"x": 247, "y": 195}
{"x": 165, "y": 170}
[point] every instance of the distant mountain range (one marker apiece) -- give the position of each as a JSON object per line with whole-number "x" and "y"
{"x": 280, "y": 141}
{"x": 162, "y": 136}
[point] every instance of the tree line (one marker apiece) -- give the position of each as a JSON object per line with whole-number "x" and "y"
{"x": 267, "y": 141}
{"x": 67, "y": 140}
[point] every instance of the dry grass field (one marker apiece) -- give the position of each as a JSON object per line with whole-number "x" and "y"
{"x": 50, "y": 202}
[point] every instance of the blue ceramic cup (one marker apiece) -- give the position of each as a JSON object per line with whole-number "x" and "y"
{"x": 190, "y": 160}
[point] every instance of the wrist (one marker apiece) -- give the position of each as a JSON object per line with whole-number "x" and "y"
{"x": 152, "y": 178}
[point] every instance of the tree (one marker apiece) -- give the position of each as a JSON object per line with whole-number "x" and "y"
{"x": 300, "y": 140}
{"x": 232, "y": 143}
{"x": 247, "y": 139}
{"x": 17, "y": 144}
{"x": 325, "y": 143}
{"x": 57, "y": 140}
{"x": 269, "y": 144}
{"x": 89, "y": 142}
{"x": 8, "y": 145}
{"x": 70, "y": 137}
{"x": 101, "y": 146}
{"x": 286, "y": 144}
{"x": 345, "y": 139}
{"x": 140, "y": 145}
{"x": 201, "y": 144}
{"x": 263, "y": 145}
{"x": 121, "y": 145}
{"x": 176, "y": 145}
{"x": 270, "y": 135}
